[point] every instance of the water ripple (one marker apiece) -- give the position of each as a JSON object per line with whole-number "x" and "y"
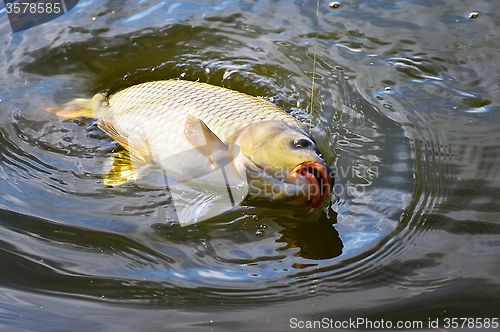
{"x": 406, "y": 121}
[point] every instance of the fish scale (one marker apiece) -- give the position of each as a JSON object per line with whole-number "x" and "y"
{"x": 157, "y": 110}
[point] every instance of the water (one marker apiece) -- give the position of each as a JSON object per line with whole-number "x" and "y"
{"x": 406, "y": 111}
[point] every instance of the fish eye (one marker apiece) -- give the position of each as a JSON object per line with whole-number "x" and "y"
{"x": 302, "y": 142}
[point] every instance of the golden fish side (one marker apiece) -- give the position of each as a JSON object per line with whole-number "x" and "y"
{"x": 165, "y": 104}
{"x": 190, "y": 128}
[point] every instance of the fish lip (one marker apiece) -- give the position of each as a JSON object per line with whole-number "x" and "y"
{"x": 321, "y": 179}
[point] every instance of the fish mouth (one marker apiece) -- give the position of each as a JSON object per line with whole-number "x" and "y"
{"x": 320, "y": 178}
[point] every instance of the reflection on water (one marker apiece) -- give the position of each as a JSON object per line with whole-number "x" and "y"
{"x": 405, "y": 111}
{"x": 318, "y": 240}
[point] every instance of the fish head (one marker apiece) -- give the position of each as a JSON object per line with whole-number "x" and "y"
{"x": 283, "y": 163}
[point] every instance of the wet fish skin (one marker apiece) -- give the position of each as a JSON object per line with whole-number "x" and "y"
{"x": 149, "y": 119}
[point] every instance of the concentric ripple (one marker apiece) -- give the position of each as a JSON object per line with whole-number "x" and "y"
{"x": 117, "y": 244}
{"x": 64, "y": 233}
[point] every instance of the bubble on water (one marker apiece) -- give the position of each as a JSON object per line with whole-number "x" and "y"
{"x": 473, "y": 14}
{"x": 259, "y": 232}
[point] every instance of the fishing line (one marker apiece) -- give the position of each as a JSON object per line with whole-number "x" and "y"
{"x": 314, "y": 71}
{"x": 310, "y": 127}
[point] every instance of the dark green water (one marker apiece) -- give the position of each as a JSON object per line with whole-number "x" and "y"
{"x": 406, "y": 110}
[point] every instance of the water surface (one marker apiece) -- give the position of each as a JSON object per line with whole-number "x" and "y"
{"x": 405, "y": 110}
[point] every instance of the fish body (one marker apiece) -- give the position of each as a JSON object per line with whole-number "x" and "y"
{"x": 192, "y": 129}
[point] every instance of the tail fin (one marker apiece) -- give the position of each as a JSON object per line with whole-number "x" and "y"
{"x": 79, "y": 107}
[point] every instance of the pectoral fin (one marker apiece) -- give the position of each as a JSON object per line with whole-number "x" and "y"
{"x": 202, "y": 138}
{"x": 136, "y": 144}
{"x": 128, "y": 164}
